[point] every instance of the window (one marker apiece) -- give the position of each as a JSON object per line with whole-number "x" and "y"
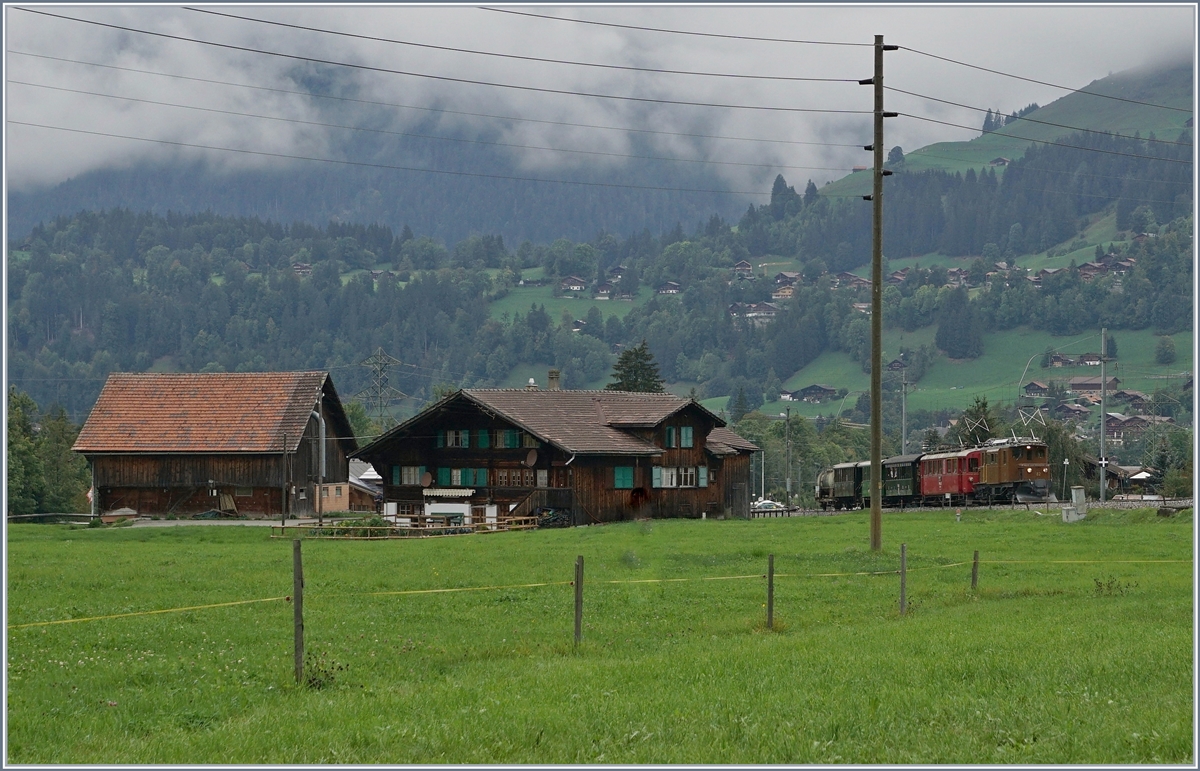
{"x": 973, "y": 463}
{"x": 243, "y": 492}
{"x": 543, "y": 477}
{"x": 337, "y": 491}
{"x": 528, "y": 440}
{"x": 502, "y": 478}
{"x": 686, "y": 476}
{"x": 623, "y": 477}
{"x": 324, "y": 491}
{"x": 685, "y": 436}
{"x": 528, "y": 477}
{"x": 669, "y": 478}
{"x": 670, "y": 437}
{"x": 411, "y": 475}
{"x": 952, "y": 465}
{"x": 458, "y": 438}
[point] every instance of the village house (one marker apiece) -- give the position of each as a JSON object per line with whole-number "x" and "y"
{"x": 846, "y": 279}
{"x": 817, "y": 393}
{"x": 1118, "y": 427}
{"x": 1089, "y": 359}
{"x": 617, "y": 272}
{"x": 668, "y": 287}
{"x": 743, "y": 269}
{"x": 1068, "y": 411}
{"x": 758, "y": 314}
{"x": 862, "y": 307}
{"x": 1090, "y": 270}
{"x": 1036, "y": 388}
{"x": 572, "y": 284}
{"x": 897, "y": 277}
{"x": 1091, "y": 384}
{"x": 895, "y": 365}
{"x": 786, "y": 278}
{"x": 785, "y": 292}
{"x": 246, "y": 443}
{"x": 999, "y": 162}
{"x": 302, "y": 269}
{"x": 1058, "y": 360}
{"x": 604, "y": 291}
{"x": 1135, "y": 399}
{"x": 487, "y": 455}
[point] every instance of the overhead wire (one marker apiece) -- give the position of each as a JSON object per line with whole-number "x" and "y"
{"x": 416, "y": 135}
{"x": 448, "y": 78}
{"x": 1042, "y": 82}
{"x": 640, "y": 28}
{"x": 600, "y": 65}
{"x": 393, "y": 167}
{"x": 440, "y": 109}
{"x": 1043, "y": 141}
{"x": 1027, "y": 119}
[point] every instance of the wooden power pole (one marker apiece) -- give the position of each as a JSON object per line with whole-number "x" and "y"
{"x": 876, "y": 198}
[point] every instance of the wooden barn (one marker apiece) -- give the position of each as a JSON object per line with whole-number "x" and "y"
{"x": 246, "y": 443}
{"x": 592, "y": 456}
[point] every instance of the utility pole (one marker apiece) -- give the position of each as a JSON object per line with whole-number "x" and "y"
{"x": 787, "y": 432}
{"x": 1103, "y": 407}
{"x": 903, "y": 411}
{"x": 876, "y": 198}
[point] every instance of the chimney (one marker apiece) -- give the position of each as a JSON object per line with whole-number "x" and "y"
{"x": 552, "y": 382}
{"x": 532, "y": 385}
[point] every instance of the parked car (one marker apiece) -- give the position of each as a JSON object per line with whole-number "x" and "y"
{"x": 767, "y": 505}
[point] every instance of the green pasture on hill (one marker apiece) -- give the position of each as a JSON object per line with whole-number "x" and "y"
{"x": 952, "y": 384}
{"x": 519, "y": 299}
{"x": 1076, "y": 647}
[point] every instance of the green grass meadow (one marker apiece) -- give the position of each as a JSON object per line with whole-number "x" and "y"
{"x": 1046, "y": 662}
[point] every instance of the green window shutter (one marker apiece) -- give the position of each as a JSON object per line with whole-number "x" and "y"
{"x": 481, "y": 477}
{"x": 466, "y": 437}
{"x": 510, "y": 438}
{"x": 685, "y": 436}
{"x": 656, "y": 476}
{"x": 420, "y": 474}
{"x": 395, "y": 475}
{"x": 702, "y": 476}
{"x": 443, "y": 477}
{"x": 441, "y": 438}
{"x": 483, "y": 438}
{"x": 623, "y": 477}
{"x": 670, "y": 436}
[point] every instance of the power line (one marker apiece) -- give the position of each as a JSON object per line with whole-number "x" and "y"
{"x": 1042, "y": 82}
{"x": 448, "y": 78}
{"x": 415, "y": 135}
{"x": 441, "y": 109}
{"x": 1030, "y": 120}
{"x": 629, "y": 68}
{"x": 679, "y": 32}
{"x": 1044, "y": 141}
{"x": 384, "y": 165}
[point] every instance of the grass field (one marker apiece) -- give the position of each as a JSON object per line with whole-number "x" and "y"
{"x": 519, "y": 299}
{"x": 1080, "y": 662}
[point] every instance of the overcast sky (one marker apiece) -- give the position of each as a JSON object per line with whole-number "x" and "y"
{"x": 1069, "y": 45}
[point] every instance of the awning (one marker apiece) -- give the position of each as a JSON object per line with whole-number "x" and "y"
{"x": 446, "y": 492}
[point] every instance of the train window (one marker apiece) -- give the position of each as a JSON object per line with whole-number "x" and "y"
{"x": 1039, "y": 452}
{"x": 991, "y": 459}
{"x": 1017, "y": 452}
{"x": 973, "y": 463}
{"x": 952, "y": 465}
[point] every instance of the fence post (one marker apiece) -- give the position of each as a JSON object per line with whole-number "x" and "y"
{"x": 578, "y": 599}
{"x": 770, "y": 591}
{"x": 903, "y": 578}
{"x": 298, "y": 609}
{"x": 975, "y": 571}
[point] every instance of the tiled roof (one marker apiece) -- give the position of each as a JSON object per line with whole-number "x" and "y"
{"x": 202, "y": 413}
{"x": 580, "y": 422}
{"x": 722, "y": 441}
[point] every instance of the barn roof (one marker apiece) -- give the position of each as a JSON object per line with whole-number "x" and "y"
{"x": 580, "y": 422}
{"x": 207, "y": 413}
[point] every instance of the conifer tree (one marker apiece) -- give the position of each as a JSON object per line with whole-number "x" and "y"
{"x": 636, "y": 371}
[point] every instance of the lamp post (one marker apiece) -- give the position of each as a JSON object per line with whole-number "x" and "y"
{"x": 1066, "y": 462}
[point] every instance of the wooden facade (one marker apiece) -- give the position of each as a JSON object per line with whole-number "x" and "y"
{"x": 150, "y": 456}
{"x": 594, "y": 456}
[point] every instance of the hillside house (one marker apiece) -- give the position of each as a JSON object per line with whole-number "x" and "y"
{"x": 895, "y": 365}
{"x": 785, "y": 292}
{"x": 817, "y": 393}
{"x": 849, "y": 280}
{"x": 897, "y": 277}
{"x": 1058, "y": 360}
{"x": 1090, "y": 270}
{"x": 604, "y": 291}
{"x": 1068, "y": 411}
{"x": 743, "y": 269}
{"x": 617, "y": 272}
{"x": 758, "y": 314}
{"x": 1091, "y": 384}
{"x": 1135, "y": 399}
{"x": 999, "y": 162}
{"x": 240, "y": 442}
{"x": 786, "y": 278}
{"x": 572, "y": 284}
{"x": 862, "y": 307}
{"x": 1036, "y": 388}
{"x": 668, "y": 287}
{"x": 485, "y": 455}
{"x": 1089, "y": 359}
{"x": 1118, "y": 427}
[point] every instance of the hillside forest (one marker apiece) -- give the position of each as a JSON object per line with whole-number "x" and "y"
{"x": 117, "y": 290}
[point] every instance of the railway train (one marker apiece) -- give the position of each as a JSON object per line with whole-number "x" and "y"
{"x": 998, "y": 471}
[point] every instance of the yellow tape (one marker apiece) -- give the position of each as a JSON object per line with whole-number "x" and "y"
{"x": 1080, "y": 562}
{"x": 145, "y": 613}
{"x": 463, "y": 589}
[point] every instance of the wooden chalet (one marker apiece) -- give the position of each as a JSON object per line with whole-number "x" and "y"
{"x": 491, "y": 455}
{"x": 816, "y": 393}
{"x": 1036, "y": 388}
{"x": 246, "y": 443}
{"x": 572, "y": 284}
{"x": 669, "y": 287}
{"x": 1091, "y": 384}
{"x": 743, "y": 268}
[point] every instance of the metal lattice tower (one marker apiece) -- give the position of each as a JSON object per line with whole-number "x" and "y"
{"x": 379, "y": 395}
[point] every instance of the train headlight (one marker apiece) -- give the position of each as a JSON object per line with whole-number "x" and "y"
{"x": 1029, "y": 471}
